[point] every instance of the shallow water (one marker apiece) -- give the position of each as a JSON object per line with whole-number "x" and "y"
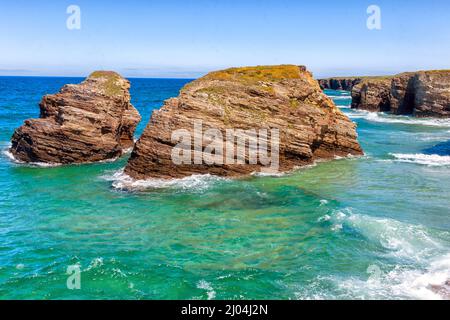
{"x": 362, "y": 228}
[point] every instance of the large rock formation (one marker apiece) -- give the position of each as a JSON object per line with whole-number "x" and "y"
{"x": 421, "y": 94}
{"x": 432, "y": 94}
{"x": 372, "y": 94}
{"x": 88, "y": 122}
{"x": 402, "y": 94}
{"x": 346, "y": 84}
{"x": 285, "y": 97}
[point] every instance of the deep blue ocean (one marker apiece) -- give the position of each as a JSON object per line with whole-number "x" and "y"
{"x": 375, "y": 227}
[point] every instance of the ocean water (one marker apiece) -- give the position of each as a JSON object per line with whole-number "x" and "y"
{"x": 375, "y": 227}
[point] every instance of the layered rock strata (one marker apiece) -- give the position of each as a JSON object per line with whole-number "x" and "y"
{"x": 86, "y": 122}
{"x": 222, "y": 104}
{"x": 421, "y": 94}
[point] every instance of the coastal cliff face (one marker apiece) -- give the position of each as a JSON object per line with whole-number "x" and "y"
{"x": 421, "y": 94}
{"x": 346, "y": 84}
{"x": 87, "y": 122}
{"x": 371, "y": 95}
{"x": 432, "y": 94}
{"x": 402, "y": 94}
{"x": 285, "y": 97}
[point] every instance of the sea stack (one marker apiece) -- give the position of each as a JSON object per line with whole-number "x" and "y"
{"x": 86, "y": 122}
{"x": 284, "y": 98}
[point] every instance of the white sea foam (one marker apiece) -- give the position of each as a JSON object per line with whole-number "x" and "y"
{"x": 95, "y": 263}
{"x": 11, "y": 157}
{"x": 204, "y": 285}
{"x": 423, "y": 261}
{"x": 401, "y": 282}
{"x": 269, "y": 174}
{"x": 400, "y": 240}
{"x": 386, "y": 118}
{"x": 123, "y": 181}
{"x": 340, "y": 97}
{"x": 432, "y": 160}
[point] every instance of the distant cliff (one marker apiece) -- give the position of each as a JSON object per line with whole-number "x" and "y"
{"x": 346, "y": 84}
{"x": 421, "y": 94}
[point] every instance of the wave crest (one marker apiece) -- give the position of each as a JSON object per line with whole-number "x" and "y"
{"x": 122, "y": 181}
{"x": 432, "y": 160}
{"x": 387, "y": 118}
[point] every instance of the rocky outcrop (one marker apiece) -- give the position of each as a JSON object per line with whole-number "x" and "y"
{"x": 402, "y": 94}
{"x": 372, "y": 94}
{"x": 346, "y": 84}
{"x": 421, "y": 94}
{"x": 87, "y": 122}
{"x": 432, "y": 94}
{"x": 284, "y": 98}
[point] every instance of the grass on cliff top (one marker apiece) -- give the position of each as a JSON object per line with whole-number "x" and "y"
{"x": 255, "y": 74}
{"x": 442, "y": 71}
{"x": 111, "y": 85}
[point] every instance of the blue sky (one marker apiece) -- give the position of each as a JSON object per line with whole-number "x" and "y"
{"x": 190, "y": 37}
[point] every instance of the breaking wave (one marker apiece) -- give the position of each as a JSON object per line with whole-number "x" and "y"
{"x": 122, "y": 181}
{"x": 432, "y": 160}
{"x": 386, "y": 118}
{"x": 421, "y": 267}
{"x": 341, "y": 97}
{"x": 11, "y": 157}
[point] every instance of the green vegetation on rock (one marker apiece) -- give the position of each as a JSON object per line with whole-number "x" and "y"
{"x": 256, "y": 74}
{"x": 112, "y": 84}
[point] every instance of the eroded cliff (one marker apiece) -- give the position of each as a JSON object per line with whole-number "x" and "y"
{"x": 286, "y": 98}
{"x": 86, "y": 122}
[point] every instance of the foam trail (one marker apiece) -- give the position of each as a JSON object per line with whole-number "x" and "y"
{"x": 122, "y": 181}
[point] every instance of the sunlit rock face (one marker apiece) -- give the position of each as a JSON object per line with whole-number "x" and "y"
{"x": 87, "y": 122}
{"x": 285, "y": 97}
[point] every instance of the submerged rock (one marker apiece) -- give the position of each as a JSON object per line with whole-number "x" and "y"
{"x": 87, "y": 122}
{"x": 284, "y": 97}
{"x": 421, "y": 94}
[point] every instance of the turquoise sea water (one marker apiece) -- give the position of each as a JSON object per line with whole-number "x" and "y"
{"x": 362, "y": 228}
